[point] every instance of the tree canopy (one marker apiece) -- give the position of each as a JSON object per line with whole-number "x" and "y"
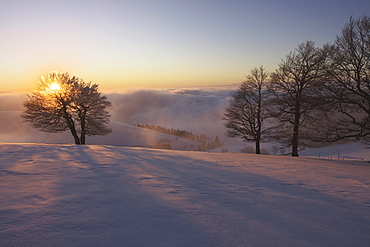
{"x": 247, "y": 110}
{"x": 319, "y": 94}
{"x": 61, "y": 102}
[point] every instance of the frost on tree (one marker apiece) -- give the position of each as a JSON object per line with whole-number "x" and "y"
{"x": 61, "y": 103}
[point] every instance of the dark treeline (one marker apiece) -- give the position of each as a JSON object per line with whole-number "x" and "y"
{"x": 171, "y": 131}
{"x": 204, "y": 142}
{"x": 317, "y": 94}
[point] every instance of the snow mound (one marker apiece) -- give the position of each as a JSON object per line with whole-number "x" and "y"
{"x": 66, "y": 195}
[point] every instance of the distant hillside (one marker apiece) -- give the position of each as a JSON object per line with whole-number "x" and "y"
{"x": 205, "y": 143}
{"x": 129, "y": 135}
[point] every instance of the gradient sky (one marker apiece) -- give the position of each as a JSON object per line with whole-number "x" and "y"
{"x": 159, "y": 43}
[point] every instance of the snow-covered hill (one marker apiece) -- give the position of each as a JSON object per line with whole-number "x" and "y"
{"x": 67, "y": 195}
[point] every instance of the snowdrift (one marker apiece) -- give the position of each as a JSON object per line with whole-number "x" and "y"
{"x": 66, "y": 195}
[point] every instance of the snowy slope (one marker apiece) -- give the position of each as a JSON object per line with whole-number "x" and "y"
{"x": 16, "y": 131}
{"x": 66, "y": 195}
{"x": 129, "y": 135}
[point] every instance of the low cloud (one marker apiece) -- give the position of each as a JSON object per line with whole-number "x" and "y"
{"x": 12, "y": 102}
{"x": 197, "y": 110}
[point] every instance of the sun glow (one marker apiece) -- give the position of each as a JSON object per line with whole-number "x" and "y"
{"x": 53, "y": 87}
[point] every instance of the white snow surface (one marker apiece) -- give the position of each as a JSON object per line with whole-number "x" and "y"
{"x": 67, "y": 195}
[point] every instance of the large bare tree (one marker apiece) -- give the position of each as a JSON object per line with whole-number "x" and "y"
{"x": 62, "y": 103}
{"x": 247, "y": 107}
{"x": 349, "y": 86}
{"x": 295, "y": 86}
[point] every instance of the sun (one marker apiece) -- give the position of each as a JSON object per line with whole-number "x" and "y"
{"x": 53, "y": 87}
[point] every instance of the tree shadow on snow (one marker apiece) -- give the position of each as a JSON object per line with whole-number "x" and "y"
{"x": 116, "y": 196}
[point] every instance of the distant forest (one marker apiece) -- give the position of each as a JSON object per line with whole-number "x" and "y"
{"x": 205, "y": 143}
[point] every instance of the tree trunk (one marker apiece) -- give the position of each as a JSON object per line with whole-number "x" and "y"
{"x": 75, "y": 136}
{"x": 71, "y": 125}
{"x": 83, "y": 126}
{"x": 295, "y": 143}
{"x": 74, "y": 132}
{"x": 259, "y": 123}
{"x": 295, "y": 137}
{"x": 83, "y": 137}
{"x": 258, "y": 148}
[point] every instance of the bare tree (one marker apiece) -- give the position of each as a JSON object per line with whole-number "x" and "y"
{"x": 349, "y": 85}
{"x": 246, "y": 112}
{"x": 295, "y": 86}
{"x": 62, "y": 103}
{"x": 90, "y": 107}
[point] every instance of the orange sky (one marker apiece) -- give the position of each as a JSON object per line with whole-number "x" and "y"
{"x": 159, "y": 43}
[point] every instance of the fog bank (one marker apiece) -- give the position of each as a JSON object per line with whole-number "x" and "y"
{"x": 195, "y": 110}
